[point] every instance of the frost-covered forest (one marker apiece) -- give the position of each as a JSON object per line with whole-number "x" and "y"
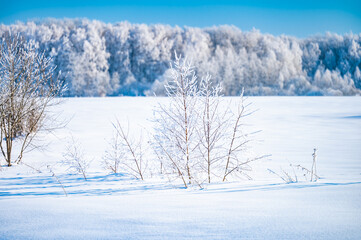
{"x": 100, "y": 59}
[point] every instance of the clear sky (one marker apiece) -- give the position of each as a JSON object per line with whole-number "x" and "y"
{"x": 300, "y": 18}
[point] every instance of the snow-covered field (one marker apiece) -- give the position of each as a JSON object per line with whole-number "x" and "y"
{"x": 108, "y": 206}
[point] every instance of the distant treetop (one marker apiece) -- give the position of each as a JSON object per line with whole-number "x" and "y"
{"x": 99, "y": 59}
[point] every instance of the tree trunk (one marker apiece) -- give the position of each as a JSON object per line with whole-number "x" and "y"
{"x": 8, "y": 151}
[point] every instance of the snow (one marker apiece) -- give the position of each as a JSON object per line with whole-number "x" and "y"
{"x": 116, "y": 206}
{"x": 98, "y": 58}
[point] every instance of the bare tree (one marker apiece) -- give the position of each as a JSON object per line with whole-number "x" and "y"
{"x": 237, "y": 143}
{"x": 176, "y": 136}
{"x": 131, "y": 152}
{"x": 27, "y": 90}
{"x": 197, "y": 137}
{"x": 212, "y": 128}
{"x": 74, "y": 158}
{"x": 114, "y": 155}
{"x": 236, "y": 162}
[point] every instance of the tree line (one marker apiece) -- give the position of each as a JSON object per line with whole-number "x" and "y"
{"x": 101, "y": 59}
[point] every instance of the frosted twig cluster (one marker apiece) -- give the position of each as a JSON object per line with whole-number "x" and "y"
{"x": 126, "y": 153}
{"x": 197, "y": 137}
{"x": 75, "y": 160}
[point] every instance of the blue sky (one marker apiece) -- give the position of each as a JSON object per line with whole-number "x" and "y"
{"x": 298, "y": 18}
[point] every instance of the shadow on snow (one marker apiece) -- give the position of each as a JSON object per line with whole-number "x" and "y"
{"x": 114, "y": 184}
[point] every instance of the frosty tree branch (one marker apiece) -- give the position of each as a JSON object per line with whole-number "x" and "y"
{"x": 27, "y": 91}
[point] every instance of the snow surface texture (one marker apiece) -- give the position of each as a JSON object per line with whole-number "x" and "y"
{"x": 116, "y": 206}
{"x": 98, "y": 59}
